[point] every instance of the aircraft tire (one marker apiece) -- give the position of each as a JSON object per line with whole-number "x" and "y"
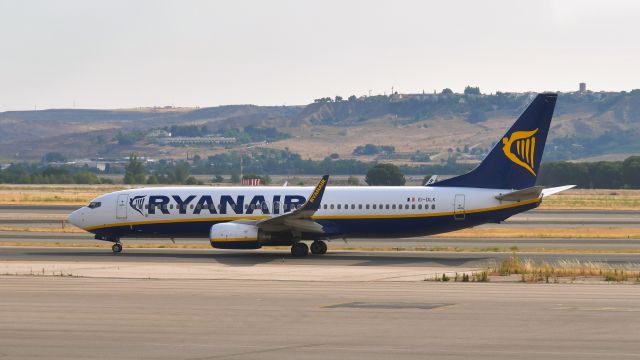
{"x": 299, "y": 249}
{"x": 318, "y": 248}
{"x": 116, "y": 248}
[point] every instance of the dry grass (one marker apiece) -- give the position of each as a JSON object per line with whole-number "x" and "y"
{"x": 530, "y": 271}
{"x": 52, "y": 194}
{"x": 594, "y": 200}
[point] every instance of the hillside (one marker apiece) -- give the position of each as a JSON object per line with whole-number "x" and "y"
{"x": 426, "y": 128}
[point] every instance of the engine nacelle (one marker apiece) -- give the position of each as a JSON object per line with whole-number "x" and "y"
{"x": 235, "y": 236}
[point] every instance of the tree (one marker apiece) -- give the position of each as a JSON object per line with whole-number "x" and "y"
{"x": 338, "y": 98}
{"x": 447, "y": 91}
{"x": 385, "y": 174}
{"x": 352, "y": 98}
{"x": 192, "y": 181}
{"x": 86, "y": 177}
{"x": 53, "y": 157}
{"x": 335, "y": 156}
{"x": 235, "y": 178}
{"x": 217, "y": 179}
{"x": 631, "y": 172}
{"x": 134, "y": 172}
{"x": 476, "y": 116}
{"x": 152, "y": 179}
{"x": 470, "y": 90}
{"x": 181, "y": 172}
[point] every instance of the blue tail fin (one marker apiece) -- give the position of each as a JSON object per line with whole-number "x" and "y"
{"x": 514, "y": 161}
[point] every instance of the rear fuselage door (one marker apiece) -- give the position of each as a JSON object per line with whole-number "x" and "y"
{"x": 121, "y": 206}
{"x": 458, "y": 207}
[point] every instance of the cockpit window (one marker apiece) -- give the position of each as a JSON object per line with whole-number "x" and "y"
{"x": 95, "y": 204}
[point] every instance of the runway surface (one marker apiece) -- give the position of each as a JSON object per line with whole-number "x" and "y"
{"x": 78, "y": 318}
{"x": 261, "y": 257}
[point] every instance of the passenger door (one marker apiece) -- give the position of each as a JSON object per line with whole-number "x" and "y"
{"x": 121, "y": 206}
{"x": 458, "y": 207}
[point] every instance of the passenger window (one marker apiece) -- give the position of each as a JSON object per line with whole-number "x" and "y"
{"x": 353, "y": 206}
{"x": 339, "y": 206}
{"x": 191, "y": 206}
{"x": 433, "y": 207}
{"x": 419, "y": 206}
{"x": 360, "y": 206}
{"x": 413, "y": 206}
{"x": 393, "y": 206}
{"x": 331, "y": 206}
{"x": 325, "y": 206}
{"x": 386, "y": 206}
{"x": 374, "y": 206}
{"x": 146, "y": 206}
{"x": 367, "y": 206}
{"x": 171, "y": 206}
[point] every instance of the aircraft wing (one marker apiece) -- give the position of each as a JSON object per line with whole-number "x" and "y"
{"x": 300, "y": 218}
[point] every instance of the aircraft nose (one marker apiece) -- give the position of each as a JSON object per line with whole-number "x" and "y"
{"x": 76, "y": 218}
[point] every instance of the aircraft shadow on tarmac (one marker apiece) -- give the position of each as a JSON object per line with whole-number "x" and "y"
{"x": 260, "y": 257}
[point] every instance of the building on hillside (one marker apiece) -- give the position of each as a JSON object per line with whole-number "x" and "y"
{"x": 583, "y": 87}
{"x": 197, "y": 140}
{"x": 158, "y": 133}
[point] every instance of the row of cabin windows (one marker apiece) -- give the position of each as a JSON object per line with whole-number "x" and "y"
{"x": 294, "y": 206}
{"x": 379, "y": 206}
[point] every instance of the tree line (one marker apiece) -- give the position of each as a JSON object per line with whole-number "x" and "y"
{"x": 603, "y": 174}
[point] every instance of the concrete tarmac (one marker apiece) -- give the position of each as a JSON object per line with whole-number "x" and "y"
{"x": 244, "y": 258}
{"x": 83, "y": 318}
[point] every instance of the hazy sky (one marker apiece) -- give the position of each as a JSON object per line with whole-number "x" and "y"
{"x": 112, "y": 54}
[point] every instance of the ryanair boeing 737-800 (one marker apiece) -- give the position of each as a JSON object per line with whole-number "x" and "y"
{"x": 502, "y": 185}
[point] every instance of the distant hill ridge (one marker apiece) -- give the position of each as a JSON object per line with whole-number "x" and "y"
{"x": 585, "y": 124}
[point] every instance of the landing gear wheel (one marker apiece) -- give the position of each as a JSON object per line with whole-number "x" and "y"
{"x": 299, "y": 249}
{"x": 116, "y": 248}
{"x": 318, "y": 248}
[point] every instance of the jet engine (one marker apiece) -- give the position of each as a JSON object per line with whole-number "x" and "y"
{"x": 235, "y": 236}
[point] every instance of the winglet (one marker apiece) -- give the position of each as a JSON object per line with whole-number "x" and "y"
{"x": 555, "y": 190}
{"x": 316, "y": 196}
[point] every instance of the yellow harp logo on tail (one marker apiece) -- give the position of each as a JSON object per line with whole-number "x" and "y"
{"x": 521, "y": 148}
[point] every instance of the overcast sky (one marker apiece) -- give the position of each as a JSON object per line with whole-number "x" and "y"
{"x": 115, "y": 54}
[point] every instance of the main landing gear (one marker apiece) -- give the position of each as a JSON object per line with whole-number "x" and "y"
{"x": 319, "y": 248}
{"x": 117, "y": 247}
{"x": 301, "y": 249}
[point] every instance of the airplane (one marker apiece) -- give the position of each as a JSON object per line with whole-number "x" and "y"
{"x": 502, "y": 185}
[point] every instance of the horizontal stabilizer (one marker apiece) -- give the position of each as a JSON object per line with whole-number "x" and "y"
{"x": 555, "y": 190}
{"x": 521, "y": 195}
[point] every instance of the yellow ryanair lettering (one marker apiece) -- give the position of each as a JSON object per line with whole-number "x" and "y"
{"x": 525, "y": 147}
{"x": 317, "y": 190}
